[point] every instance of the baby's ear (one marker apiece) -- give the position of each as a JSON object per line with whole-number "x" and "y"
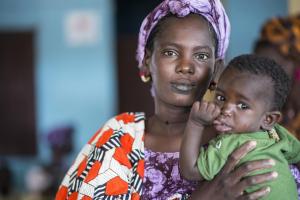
{"x": 270, "y": 119}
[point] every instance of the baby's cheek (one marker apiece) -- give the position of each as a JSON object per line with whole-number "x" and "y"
{"x": 247, "y": 125}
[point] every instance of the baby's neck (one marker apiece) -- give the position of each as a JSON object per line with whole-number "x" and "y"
{"x": 243, "y": 132}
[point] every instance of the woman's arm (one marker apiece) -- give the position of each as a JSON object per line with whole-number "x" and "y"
{"x": 230, "y": 182}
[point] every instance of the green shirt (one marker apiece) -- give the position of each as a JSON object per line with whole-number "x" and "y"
{"x": 285, "y": 151}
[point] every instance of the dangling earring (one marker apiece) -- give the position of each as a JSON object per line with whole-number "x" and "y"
{"x": 144, "y": 77}
{"x": 212, "y": 86}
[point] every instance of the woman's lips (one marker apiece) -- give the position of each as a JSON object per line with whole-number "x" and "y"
{"x": 183, "y": 87}
{"x": 221, "y": 126}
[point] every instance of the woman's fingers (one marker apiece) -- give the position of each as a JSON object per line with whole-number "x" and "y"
{"x": 252, "y": 166}
{"x": 256, "y": 195}
{"x": 237, "y": 155}
{"x": 254, "y": 180}
{"x": 232, "y": 181}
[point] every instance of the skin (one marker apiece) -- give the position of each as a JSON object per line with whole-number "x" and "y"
{"x": 244, "y": 103}
{"x": 181, "y": 66}
{"x": 241, "y": 105}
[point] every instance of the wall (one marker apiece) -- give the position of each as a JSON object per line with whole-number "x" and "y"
{"x": 294, "y": 7}
{"x": 74, "y": 85}
{"x": 246, "y": 19}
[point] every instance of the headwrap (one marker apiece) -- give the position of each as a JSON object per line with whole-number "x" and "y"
{"x": 212, "y": 10}
{"x": 284, "y": 34}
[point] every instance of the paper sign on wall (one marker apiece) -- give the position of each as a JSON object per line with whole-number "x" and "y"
{"x": 81, "y": 28}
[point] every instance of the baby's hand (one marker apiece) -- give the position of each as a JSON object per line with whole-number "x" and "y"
{"x": 204, "y": 113}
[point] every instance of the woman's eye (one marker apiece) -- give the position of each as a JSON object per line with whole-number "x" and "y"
{"x": 202, "y": 56}
{"x": 220, "y": 98}
{"x": 243, "y": 106}
{"x": 170, "y": 53}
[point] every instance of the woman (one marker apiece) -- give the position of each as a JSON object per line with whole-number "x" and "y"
{"x": 181, "y": 46}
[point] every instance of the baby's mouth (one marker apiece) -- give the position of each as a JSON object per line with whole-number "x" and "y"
{"x": 221, "y": 126}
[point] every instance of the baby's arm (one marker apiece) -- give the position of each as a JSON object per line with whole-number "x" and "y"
{"x": 202, "y": 114}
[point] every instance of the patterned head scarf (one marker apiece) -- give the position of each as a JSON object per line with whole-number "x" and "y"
{"x": 212, "y": 10}
{"x": 284, "y": 35}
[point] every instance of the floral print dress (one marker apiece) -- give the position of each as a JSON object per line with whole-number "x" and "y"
{"x": 162, "y": 180}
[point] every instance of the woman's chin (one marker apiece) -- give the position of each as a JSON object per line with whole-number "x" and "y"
{"x": 184, "y": 102}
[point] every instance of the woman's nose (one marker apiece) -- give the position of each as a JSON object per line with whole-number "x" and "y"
{"x": 185, "y": 67}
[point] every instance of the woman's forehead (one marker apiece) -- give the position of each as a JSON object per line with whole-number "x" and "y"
{"x": 182, "y": 29}
{"x": 212, "y": 10}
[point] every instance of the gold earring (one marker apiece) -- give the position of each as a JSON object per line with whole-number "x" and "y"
{"x": 145, "y": 79}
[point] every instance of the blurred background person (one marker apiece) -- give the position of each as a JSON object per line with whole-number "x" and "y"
{"x": 280, "y": 40}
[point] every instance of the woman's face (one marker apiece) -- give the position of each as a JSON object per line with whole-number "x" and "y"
{"x": 182, "y": 61}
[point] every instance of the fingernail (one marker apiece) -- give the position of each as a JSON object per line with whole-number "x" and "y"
{"x": 271, "y": 162}
{"x": 252, "y": 144}
{"x": 274, "y": 174}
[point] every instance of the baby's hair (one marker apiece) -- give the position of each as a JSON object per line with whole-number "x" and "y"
{"x": 155, "y": 31}
{"x": 265, "y": 67}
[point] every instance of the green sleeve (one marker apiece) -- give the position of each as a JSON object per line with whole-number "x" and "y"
{"x": 293, "y": 152}
{"x": 213, "y": 157}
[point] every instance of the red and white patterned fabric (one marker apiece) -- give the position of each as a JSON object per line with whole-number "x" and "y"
{"x": 111, "y": 165}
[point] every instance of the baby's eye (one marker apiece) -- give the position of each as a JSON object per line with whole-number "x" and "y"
{"x": 201, "y": 56}
{"x": 220, "y": 98}
{"x": 243, "y": 106}
{"x": 169, "y": 53}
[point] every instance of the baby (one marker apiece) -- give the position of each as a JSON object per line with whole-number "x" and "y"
{"x": 249, "y": 96}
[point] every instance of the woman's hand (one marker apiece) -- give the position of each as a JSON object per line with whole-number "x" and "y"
{"x": 230, "y": 182}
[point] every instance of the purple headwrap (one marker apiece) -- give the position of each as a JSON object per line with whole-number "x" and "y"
{"x": 212, "y": 10}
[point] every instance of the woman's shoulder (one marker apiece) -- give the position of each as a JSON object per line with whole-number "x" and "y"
{"x": 127, "y": 123}
{"x": 130, "y": 117}
{"x": 127, "y": 117}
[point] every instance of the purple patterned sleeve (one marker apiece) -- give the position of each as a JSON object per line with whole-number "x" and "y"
{"x": 296, "y": 174}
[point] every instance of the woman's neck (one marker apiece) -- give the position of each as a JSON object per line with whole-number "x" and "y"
{"x": 168, "y": 120}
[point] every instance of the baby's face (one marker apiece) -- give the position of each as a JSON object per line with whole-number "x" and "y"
{"x": 244, "y": 99}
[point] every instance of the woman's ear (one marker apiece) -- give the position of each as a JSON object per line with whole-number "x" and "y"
{"x": 145, "y": 74}
{"x": 218, "y": 69}
{"x": 212, "y": 85}
{"x": 147, "y": 57}
{"x": 270, "y": 119}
